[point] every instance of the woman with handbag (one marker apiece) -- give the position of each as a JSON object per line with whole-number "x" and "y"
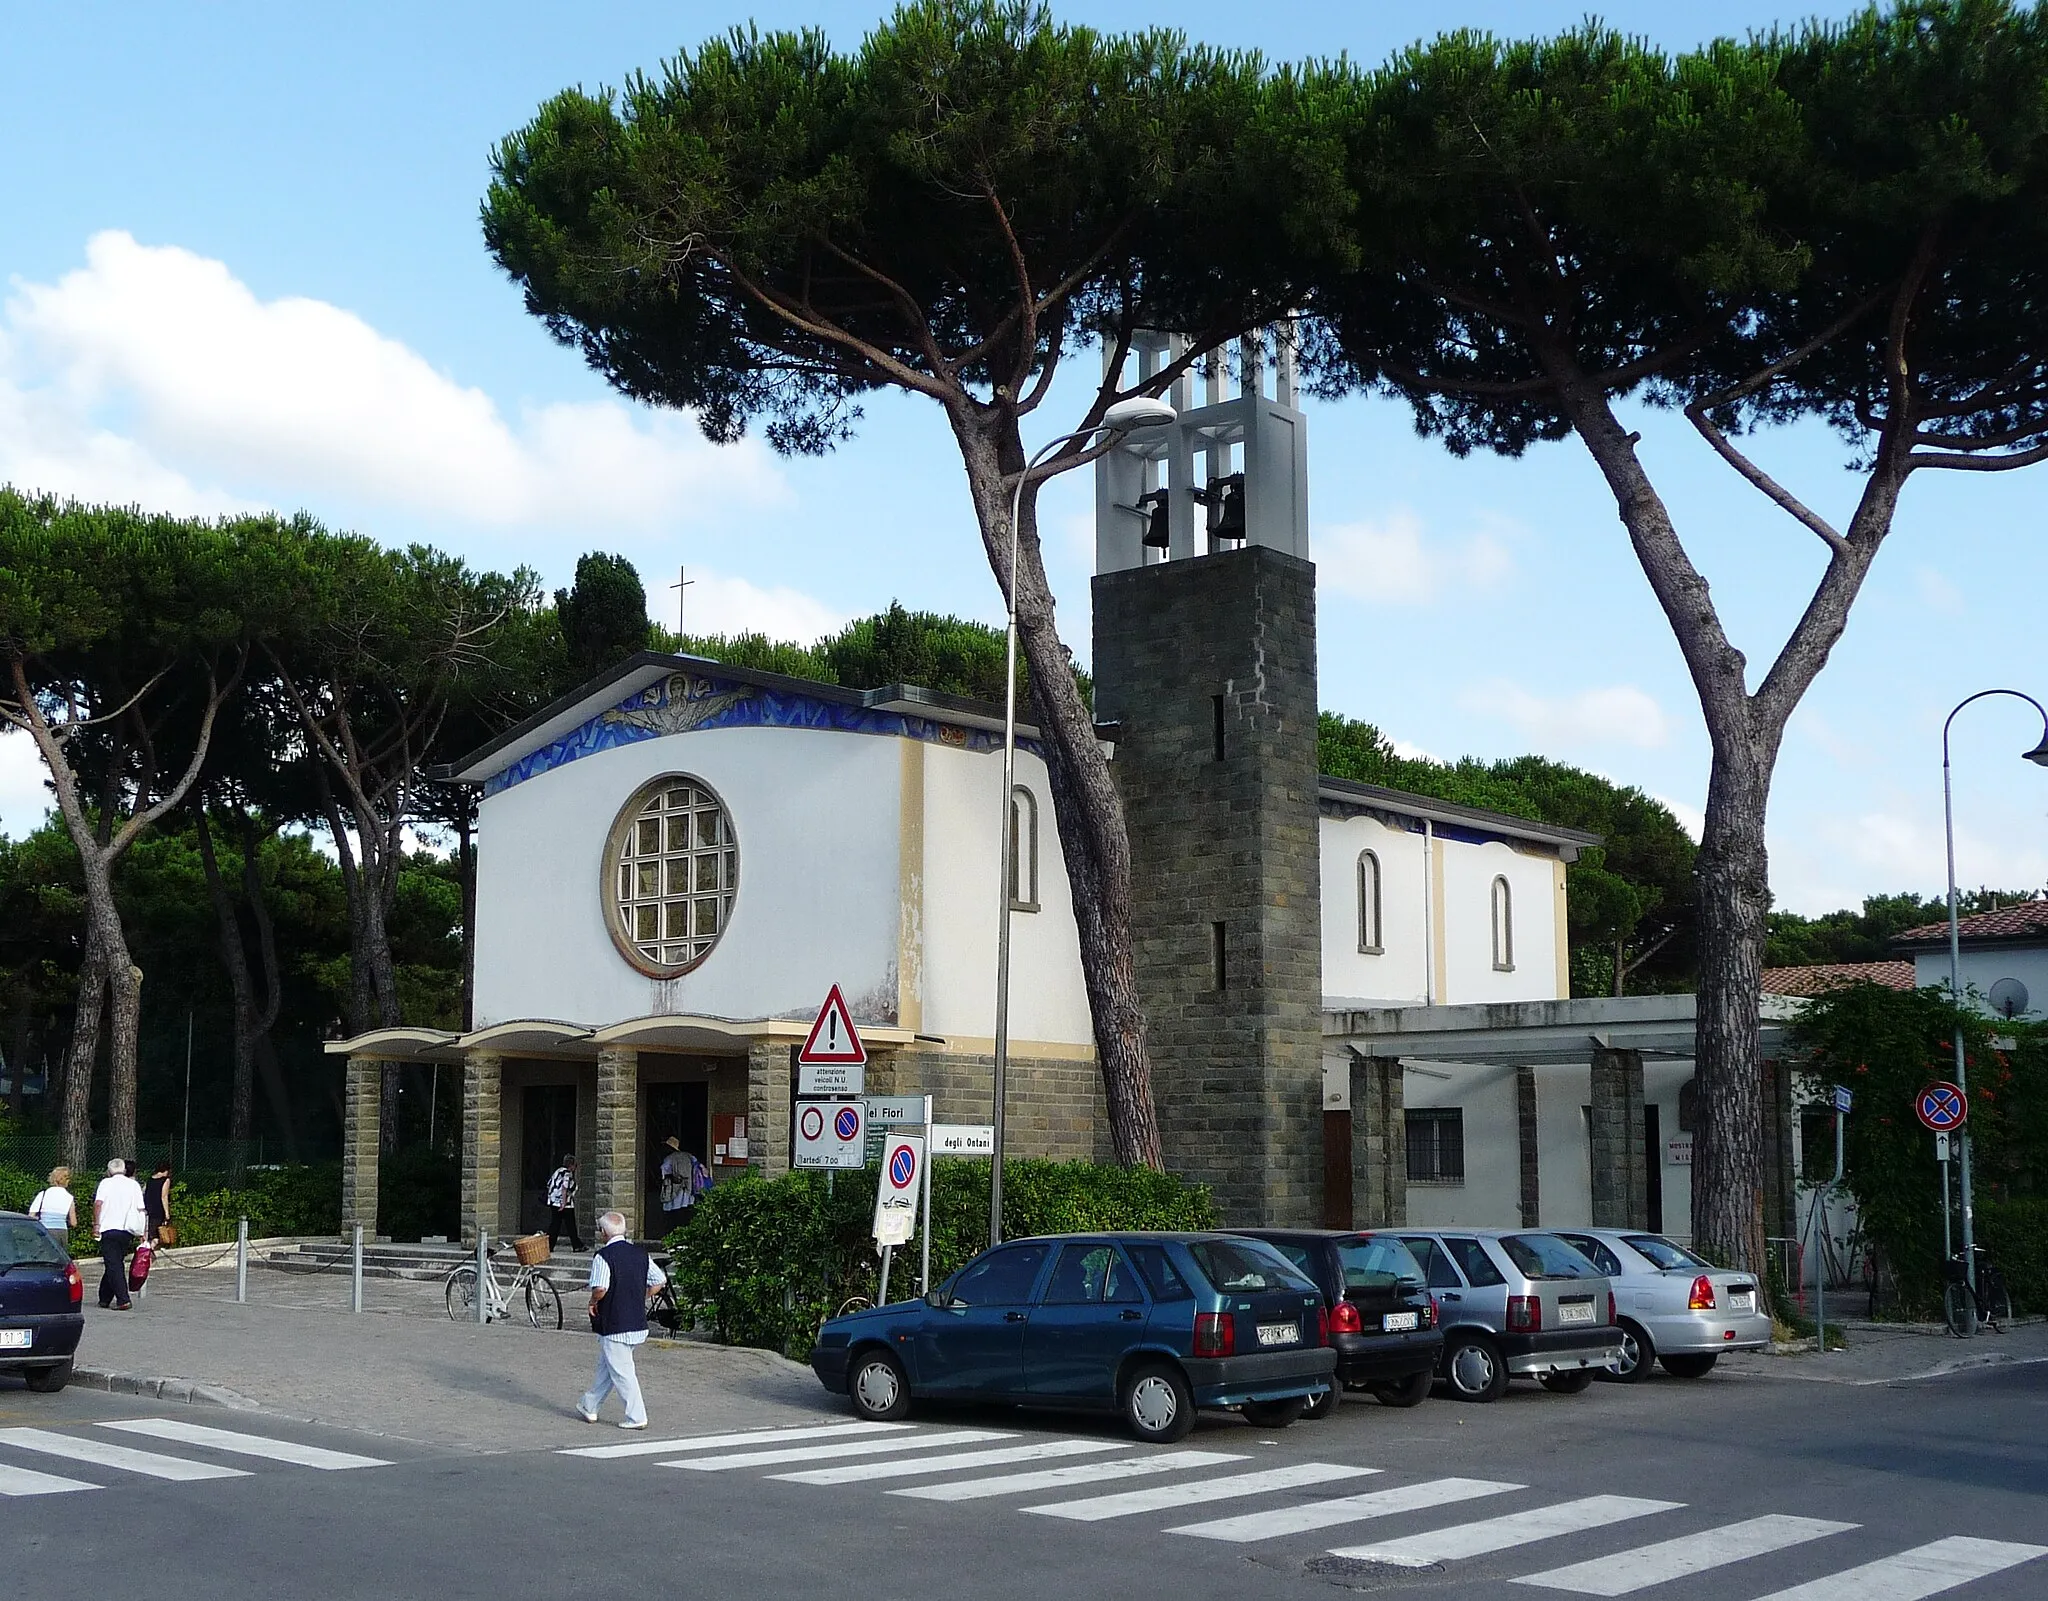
{"x": 156, "y": 1203}
{"x": 54, "y": 1206}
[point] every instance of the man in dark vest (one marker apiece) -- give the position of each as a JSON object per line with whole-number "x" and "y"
{"x": 618, "y": 1316}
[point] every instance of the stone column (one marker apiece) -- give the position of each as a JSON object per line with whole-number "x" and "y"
{"x": 1379, "y": 1144}
{"x": 361, "y": 1109}
{"x": 483, "y": 1087}
{"x": 615, "y": 1181}
{"x": 768, "y": 1074}
{"x": 1525, "y": 1133}
{"x": 1779, "y": 1209}
{"x": 1621, "y": 1188}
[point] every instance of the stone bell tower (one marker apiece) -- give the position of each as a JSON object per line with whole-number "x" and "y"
{"x": 1205, "y": 662}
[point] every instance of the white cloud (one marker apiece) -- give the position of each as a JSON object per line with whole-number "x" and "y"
{"x": 1620, "y": 714}
{"x": 1937, "y": 594}
{"x": 1391, "y": 559}
{"x": 25, "y": 798}
{"x": 1691, "y": 818}
{"x": 154, "y": 374}
{"x": 722, "y": 604}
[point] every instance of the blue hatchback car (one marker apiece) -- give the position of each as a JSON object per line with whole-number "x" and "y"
{"x": 1149, "y": 1325}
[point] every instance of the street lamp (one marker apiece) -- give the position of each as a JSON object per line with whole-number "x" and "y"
{"x": 1126, "y": 416}
{"x": 2038, "y": 754}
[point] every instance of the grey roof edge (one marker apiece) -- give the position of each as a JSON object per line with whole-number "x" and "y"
{"x": 1412, "y": 805}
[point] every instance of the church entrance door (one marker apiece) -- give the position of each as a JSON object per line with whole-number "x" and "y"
{"x": 681, "y": 1111}
{"x": 547, "y": 1134}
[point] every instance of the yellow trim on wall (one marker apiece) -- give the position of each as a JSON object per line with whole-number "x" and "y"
{"x": 1564, "y": 954}
{"x": 910, "y": 885}
{"x": 985, "y": 1045}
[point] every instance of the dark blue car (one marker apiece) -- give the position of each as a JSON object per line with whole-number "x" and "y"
{"x": 40, "y": 1295}
{"x": 1151, "y": 1325}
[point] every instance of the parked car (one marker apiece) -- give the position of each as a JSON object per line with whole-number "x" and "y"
{"x": 41, "y": 1301}
{"x": 1516, "y": 1303}
{"x": 1383, "y": 1324}
{"x": 1674, "y": 1308}
{"x": 1149, "y": 1325}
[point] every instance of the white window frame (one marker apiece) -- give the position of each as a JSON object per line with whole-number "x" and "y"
{"x": 1023, "y": 849}
{"x": 674, "y": 948}
{"x": 1503, "y": 920}
{"x": 1371, "y": 935}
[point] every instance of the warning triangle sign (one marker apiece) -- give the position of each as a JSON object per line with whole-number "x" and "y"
{"x": 833, "y": 1038}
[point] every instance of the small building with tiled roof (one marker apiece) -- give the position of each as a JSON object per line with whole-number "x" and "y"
{"x": 1822, "y": 977}
{"x": 2004, "y": 956}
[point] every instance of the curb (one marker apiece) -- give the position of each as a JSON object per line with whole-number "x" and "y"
{"x": 162, "y": 1389}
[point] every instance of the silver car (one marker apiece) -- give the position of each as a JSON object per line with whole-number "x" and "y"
{"x": 1675, "y": 1308}
{"x": 1516, "y": 1303}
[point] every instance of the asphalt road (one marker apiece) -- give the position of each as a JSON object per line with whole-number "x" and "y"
{"x": 1737, "y": 1458}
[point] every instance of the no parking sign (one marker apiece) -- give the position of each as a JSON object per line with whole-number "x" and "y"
{"x": 896, "y": 1191}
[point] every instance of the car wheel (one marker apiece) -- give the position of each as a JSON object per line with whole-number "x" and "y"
{"x": 1158, "y": 1405}
{"x": 1638, "y": 1352}
{"x": 1274, "y": 1414}
{"x": 879, "y": 1387}
{"x": 1694, "y": 1365}
{"x": 49, "y": 1380}
{"x": 1326, "y": 1403}
{"x": 1411, "y": 1391}
{"x": 1576, "y": 1382}
{"x": 1473, "y": 1366}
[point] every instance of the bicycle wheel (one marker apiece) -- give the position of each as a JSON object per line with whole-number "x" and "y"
{"x": 1992, "y": 1293}
{"x": 663, "y": 1312}
{"x": 543, "y": 1303}
{"x": 460, "y": 1294}
{"x": 1954, "y": 1301}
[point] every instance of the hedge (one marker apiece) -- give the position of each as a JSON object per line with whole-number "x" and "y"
{"x": 763, "y": 1262}
{"x": 276, "y": 1201}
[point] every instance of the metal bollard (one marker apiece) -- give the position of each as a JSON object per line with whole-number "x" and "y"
{"x": 356, "y": 1270}
{"x": 483, "y": 1275}
{"x": 242, "y": 1262}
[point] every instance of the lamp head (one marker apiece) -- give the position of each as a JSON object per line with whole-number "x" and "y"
{"x": 2039, "y": 754}
{"x": 1139, "y": 411}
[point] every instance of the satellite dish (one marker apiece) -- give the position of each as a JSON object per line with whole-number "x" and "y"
{"x": 2008, "y": 997}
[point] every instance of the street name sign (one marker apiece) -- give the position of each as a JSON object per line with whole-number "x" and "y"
{"x": 963, "y": 1139}
{"x": 831, "y": 1135}
{"x": 896, "y": 1192}
{"x": 1842, "y": 1100}
{"x": 891, "y": 1111}
{"x": 1941, "y": 1106}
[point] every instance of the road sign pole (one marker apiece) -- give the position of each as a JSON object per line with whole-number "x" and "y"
{"x": 1941, "y": 1145}
{"x": 882, "y": 1295}
{"x": 924, "y": 1272}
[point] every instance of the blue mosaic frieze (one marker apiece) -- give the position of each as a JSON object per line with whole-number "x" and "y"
{"x": 685, "y": 702}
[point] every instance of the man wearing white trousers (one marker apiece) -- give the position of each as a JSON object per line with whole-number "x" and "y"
{"x": 619, "y": 1319}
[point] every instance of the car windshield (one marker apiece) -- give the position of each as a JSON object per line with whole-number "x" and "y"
{"x": 1244, "y": 1266}
{"x": 1545, "y": 1256}
{"x": 1001, "y": 1278}
{"x": 1379, "y": 1263}
{"x": 1596, "y": 1252}
{"x": 23, "y": 1244}
{"x": 1664, "y": 1253}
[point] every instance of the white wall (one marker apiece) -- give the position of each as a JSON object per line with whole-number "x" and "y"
{"x": 1983, "y": 968}
{"x": 1564, "y": 1153}
{"x": 815, "y": 815}
{"x": 963, "y": 824}
{"x": 1469, "y": 871}
{"x": 1491, "y": 1196}
{"x": 1396, "y": 977}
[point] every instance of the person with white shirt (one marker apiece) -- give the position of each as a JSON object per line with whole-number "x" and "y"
{"x": 119, "y": 1218}
{"x": 54, "y": 1206}
{"x": 618, "y": 1317}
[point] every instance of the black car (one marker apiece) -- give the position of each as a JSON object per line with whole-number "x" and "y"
{"x": 1382, "y": 1320}
{"x": 41, "y": 1294}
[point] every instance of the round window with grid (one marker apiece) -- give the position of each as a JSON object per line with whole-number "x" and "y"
{"x": 670, "y": 875}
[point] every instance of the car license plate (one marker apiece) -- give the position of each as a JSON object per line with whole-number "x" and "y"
{"x": 17, "y": 1339}
{"x": 1580, "y": 1313}
{"x": 1743, "y": 1301}
{"x": 1397, "y": 1322}
{"x": 1279, "y": 1334}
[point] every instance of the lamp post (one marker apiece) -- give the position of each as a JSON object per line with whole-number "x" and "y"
{"x": 2038, "y": 754}
{"x": 1126, "y": 416}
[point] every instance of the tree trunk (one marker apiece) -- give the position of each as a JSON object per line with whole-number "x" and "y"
{"x": 267, "y": 1067}
{"x": 124, "y": 987}
{"x": 1728, "y": 1143}
{"x": 1094, "y": 842}
{"x": 234, "y": 955}
{"x": 81, "y": 1058}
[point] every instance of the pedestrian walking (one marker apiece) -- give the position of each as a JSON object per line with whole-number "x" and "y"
{"x": 683, "y": 1179}
{"x": 156, "y": 1205}
{"x": 562, "y": 1204}
{"x": 54, "y": 1206}
{"x": 119, "y": 1218}
{"x": 619, "y": 1318}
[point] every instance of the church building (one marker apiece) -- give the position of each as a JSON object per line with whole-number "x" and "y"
{"x": 1357, "y": 999}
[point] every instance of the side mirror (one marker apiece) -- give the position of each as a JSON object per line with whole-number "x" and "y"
{"x": 940, "y": 1298}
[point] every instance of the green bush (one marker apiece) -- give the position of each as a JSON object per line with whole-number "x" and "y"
{"x": 764, "y": 1261}
{"x": 2015, "y": 1232}
{"x": 277, "y": 1202}
{"x": 18, "y": 1187}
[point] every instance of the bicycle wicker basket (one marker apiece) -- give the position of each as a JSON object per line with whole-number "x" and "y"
{"x": 531, "y": 1249}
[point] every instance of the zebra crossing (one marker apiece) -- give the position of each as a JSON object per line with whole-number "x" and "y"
{"x": 109, "y": 1455}
{"x": 1087, "y": 1480}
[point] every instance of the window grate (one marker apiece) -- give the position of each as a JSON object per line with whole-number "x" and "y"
{"x": 1436, "y": 1145}
{"x": 676, "y": 875}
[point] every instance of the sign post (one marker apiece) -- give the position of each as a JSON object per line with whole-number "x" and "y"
{"x": 924, "y": 1270}
{"x": 896, "y": 1198}
{"x": 1943, "y": 1108}
{"x": 1842, "y": 1100}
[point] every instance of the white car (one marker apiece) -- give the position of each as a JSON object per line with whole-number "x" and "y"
{"x": 1674, "y": 1308}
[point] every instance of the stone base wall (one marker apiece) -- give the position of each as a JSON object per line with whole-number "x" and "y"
{"x": 1056, "y": 1108}
{"x": 483, "y": 1091}
{"x": 1379, "y": 1145}
{"x": 615, "y": 1154}
{"x": 1528, "y": 1148}
{"x": 361, "y": 1107}
{"x": 1620, "y": 1174}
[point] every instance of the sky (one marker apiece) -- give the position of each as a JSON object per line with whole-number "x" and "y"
{"x": 240, "y": 266}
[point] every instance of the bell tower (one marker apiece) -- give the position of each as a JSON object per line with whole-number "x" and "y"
{"x": 1205, "y": 662}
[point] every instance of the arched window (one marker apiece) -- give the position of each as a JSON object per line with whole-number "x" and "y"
{"x": 1369, "y": 904}
{"x": 1503, "y": 927}
{"x": 1023, "y": 850}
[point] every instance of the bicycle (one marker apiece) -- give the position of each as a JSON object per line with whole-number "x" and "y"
{"x": 1993, "y": 1305}
{"x": 663, "y": 1312}
{"x": 534, "y": 1293}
